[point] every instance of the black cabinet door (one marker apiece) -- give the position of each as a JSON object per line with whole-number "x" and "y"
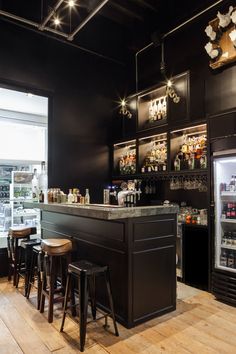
{"x": 196, "y": 256}
{"x": 222, "y": 125}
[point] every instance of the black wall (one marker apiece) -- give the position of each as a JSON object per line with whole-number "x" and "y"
{"x": 211, "y": 91}
{"x": 82, "y": 88}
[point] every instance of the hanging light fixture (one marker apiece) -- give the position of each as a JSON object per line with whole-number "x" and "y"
{"x": 170, "y": 91}
{"x": 124, "y": 110}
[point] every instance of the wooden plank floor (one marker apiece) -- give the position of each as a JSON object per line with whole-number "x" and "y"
{"x": 199, "y": 325}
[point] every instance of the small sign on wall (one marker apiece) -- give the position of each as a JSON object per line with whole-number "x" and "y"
{"x": 221, "y": 31}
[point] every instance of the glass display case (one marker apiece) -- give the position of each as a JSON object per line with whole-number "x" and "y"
{"x": 225, "y": 212}
{"x": 21, "y": 190}
{"x": 153, "y": 153}
{"x": 124, "y": 158}
{"x": 188, "y": 148}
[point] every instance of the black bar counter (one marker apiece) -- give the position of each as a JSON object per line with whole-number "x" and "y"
{"x": 138, "y": 244}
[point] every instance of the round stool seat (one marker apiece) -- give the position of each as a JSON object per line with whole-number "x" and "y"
{"x": 56, "y": 246}
{"x": 21, "y": 231}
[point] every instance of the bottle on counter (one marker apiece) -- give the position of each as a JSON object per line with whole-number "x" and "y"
{"x": 43, "y": 179}
{"x": 41, "y": 197}
{"x": 87, "y": 196}
{"x": 35, "y": 186}
{"x": 50, "y": 196}
{"x": 70, "y": 197}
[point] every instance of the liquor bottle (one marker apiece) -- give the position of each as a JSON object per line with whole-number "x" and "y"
{"x": 35, "y": 187}
{"x": 191, "y": 162}
{"x": 229, "y": 238}
{"x": 87, "y": 197}
{"x": 159, "y": 110}
{"x": 50, "y": 196}
{"x": 233, "y": 212}
{"x": 70, "y": 197}
{"x": 177, "y": 163}
{"x": 203, "y": 160}
{"x": 232, "y": 184}
{"x": 155, "y": 109}
{"x": 41, "y": 197}
{"x": 224, "y": 238}
{"x": 223, "y": 258}
{"x": 78, "y": 196}
{"x": 228, "y": 211}
{"x": 151, "y": 112}
{"x": 224, "y": 211}
{"x": 164, "y": 108}
{"x": 231, "y": 259}
{"x": 43, "y": 179}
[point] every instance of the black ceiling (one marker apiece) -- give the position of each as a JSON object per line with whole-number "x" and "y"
{"x": 120, "y": 27}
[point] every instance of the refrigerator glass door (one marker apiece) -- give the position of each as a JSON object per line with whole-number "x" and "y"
{"x": 225, "y": 212}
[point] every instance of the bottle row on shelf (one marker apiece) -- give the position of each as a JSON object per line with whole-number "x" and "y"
{"x": 192, "y": 154}
{"x": 229, "y": 187}
{"x": 228, "y": 211}
{"x": 228, "y": 258}
{"x": 156, "y": 158}
{"x": 127, "y": 163}
{"x": 229, "y": 238}
{"x": 188, "y": 151}
{"x": 157, "y": 109}
{"x": 56, "y": 195}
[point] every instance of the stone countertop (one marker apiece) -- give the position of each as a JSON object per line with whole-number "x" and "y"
{"x": 105, "y": 212}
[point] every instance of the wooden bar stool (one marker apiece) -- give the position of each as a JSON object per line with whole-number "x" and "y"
{"x": 86, "y": 273}
{"x": 34, "y": 274}
{"x": 15, "y": 236}
{"x": 25, "y": 259}
{"x": 54, "y": 252}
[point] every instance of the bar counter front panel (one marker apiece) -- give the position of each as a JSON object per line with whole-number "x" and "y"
{"x": 139, "y": 248}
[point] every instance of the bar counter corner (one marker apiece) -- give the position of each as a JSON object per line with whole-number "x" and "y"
{"x": 138, "y": 244}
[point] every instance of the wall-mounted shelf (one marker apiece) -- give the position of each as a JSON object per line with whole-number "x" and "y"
{"x": 152, "y": 108}
{"x": 153, "y": 153}
{"x": 188, "y": 148}
{"x": 124, "y": 158}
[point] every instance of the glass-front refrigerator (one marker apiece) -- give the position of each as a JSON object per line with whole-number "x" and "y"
{"x": 224, "y": 229}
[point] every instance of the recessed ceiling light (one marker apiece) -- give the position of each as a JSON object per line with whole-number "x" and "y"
{"x": 57, "y": 21}
{"x": 71, "y": 3}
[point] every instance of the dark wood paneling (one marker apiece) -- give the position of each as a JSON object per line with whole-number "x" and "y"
{"x": 222, "y": 125}
{"x": 179, "y": 112}
{"x": 144, "y": 264}
{"x": 144, "y": 231}
{"x": 153, "y": 281}
{"x": 221, "y": 91}
{"x": 3, "y": 262}
{"x": 196, "y": 256}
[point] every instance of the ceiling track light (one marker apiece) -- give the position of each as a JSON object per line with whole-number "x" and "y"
{"x": 57, "y": 21}
{"x": 170, "y": 91}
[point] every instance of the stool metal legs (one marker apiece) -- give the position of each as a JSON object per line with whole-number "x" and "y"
{"x": 86, "y": 287}
{"x": 108, "y": 283}
{"x": 36, "y": 265}
{"x": 68, "y": 282}
{"x": 83, "y": 308}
